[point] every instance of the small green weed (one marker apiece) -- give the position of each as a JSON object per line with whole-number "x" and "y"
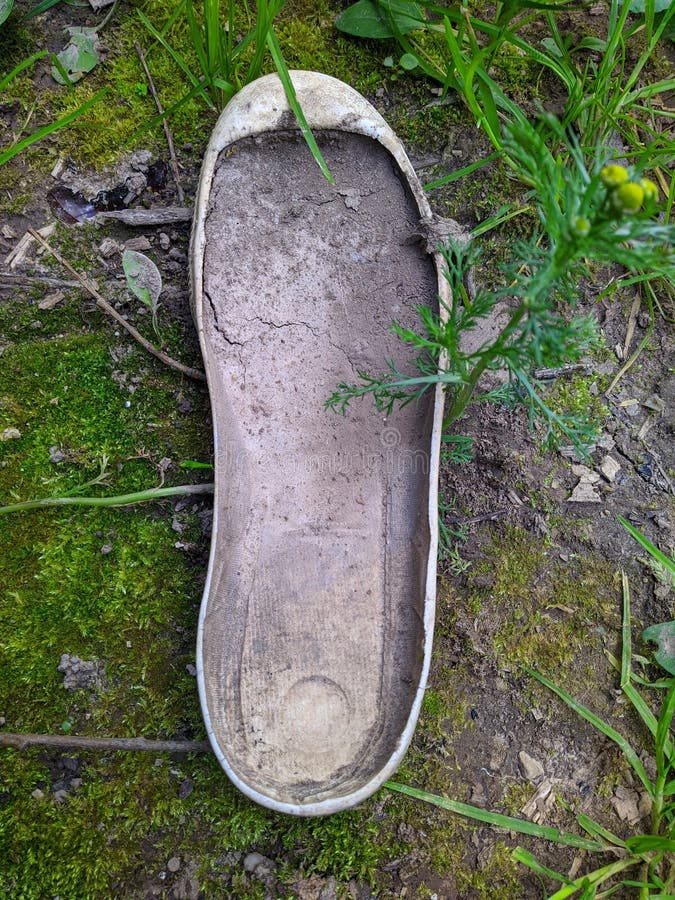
{"x": 606, "y": 214}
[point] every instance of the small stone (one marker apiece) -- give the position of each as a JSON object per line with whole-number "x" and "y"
{"x": 106, "y": 548}
{"x": 645, "y": 805}
{"x": 584, "y": 493}
{"x": 8, "y": 232}
{"x": 609, "y": 468}
{"x": 164, "y": 240}
{"x": 644, "y": 319}
{"x": 51, "y": 300}
{"x": 499, "y": 753}
{"x": 80, "y": 673}
{"x": 531, "y": 768}
{"x": 135, "y": 185}
{"x": 585, "y": 473}
{"x": 138, "y": 243}
{"x": 351, "y": 198}
{"x": 174, "y": 863}
{"x": 10, "y": 434}
{"x": 37, "y": 794}
{"x": 185, "y": 789}
{"x": 75, "y": 783}
{"x": 655, "y": 403}
{"x": 190, "y": 669}
{"x": 252, "y": 861}
{"x": 57, "y": 171}
{"x": 140, "y": 160}
{"x": 108, "y": 247}
{"x": 60, "y": 796}
{"x": 56, "y": 455}
{"x": 625, "y": 803}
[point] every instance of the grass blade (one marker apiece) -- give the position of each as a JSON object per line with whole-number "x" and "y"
{"x": 631, "y": 756}
{"x": 11, "y": 152}
{"x": 176, "y": 57}
{"x": 530, "y": 860}
{"x": 596, "y": 830}
{"x": 293, "y": 102}
{"x": 22, "y": 65}
{"x": 460, "y": 173}
{"x": 593, "y": 879}
{"x": 667, "y": 563}
{"x": 522, "y": 826}
{"x": 499, "y": 218}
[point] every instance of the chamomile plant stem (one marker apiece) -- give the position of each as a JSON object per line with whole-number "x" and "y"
{"x": 607, "y": 213}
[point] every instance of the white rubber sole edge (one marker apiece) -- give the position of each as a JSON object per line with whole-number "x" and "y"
{"x": 327, "y": 103}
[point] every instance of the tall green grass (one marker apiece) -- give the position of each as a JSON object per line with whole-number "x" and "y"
{"x": 226, "y": 63}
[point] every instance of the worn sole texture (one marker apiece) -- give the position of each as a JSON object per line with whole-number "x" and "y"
{"x": 315, "y": 625}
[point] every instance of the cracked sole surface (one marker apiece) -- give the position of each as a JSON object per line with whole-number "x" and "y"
{"x": 315, "y": 626}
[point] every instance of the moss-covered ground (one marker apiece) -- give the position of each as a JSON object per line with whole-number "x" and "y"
{"x": 123, "y": 586}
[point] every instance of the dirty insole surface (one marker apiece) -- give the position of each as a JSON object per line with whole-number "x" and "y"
{"x": 312, "y": 637}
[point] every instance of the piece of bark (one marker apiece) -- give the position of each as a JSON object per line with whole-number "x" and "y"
{"x": 159, "y": 215}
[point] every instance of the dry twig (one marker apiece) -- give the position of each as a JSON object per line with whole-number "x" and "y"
{"x": 68, "y": 742}
{"x": 167, "y": 130}
{"x": 12, "y": 280}
{"x": 632, "y": 322}
{"x": 107, "y": 308}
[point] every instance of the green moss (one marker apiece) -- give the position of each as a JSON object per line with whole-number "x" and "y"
{"x": 427, "y": 128}
{"x": 546, "y": 608}
{"x": 497, "y": 879}
{"x": 580, "y": 395}
{"x": 307, "y": 44}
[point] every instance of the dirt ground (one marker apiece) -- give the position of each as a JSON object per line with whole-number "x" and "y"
{"x": 532, "y": 578}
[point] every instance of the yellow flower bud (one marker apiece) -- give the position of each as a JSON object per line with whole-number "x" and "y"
{"x": 629, "y": 197}
{"x": 580, "y": 226}
{"x": 613, "y": 176}
{"x": 650, "y": 190}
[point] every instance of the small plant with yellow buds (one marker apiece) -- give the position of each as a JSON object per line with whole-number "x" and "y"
{"x": 608, "y": 214}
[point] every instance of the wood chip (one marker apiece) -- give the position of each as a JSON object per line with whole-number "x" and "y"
{"x": 138, "y": 243}
{"x": 19, "y": 254}
{"x": 609, "y": 468}
{"x": 51, "y": 300}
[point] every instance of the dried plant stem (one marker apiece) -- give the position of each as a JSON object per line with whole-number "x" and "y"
{"x": 159, "y": 493}
{"x": 107, "y": 308}
{"x": 66, "y": 742}
{"x": 167, "y": 130}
